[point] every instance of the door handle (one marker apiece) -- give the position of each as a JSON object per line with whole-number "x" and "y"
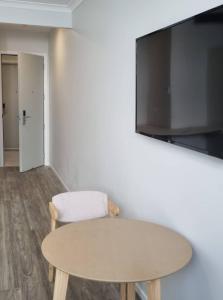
{"x": 24, "y": 117}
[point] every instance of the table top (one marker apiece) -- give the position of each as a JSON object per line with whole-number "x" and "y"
{"x": 116, "y": 250}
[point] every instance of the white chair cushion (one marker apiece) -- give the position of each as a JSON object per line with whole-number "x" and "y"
{"x": 81, "y": 205}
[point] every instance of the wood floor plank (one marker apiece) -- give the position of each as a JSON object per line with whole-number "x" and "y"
{"x": 13, "y": 294}
{"x": 4, "y": 259}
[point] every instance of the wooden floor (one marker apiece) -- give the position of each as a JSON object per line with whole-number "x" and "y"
{"x": 11, "y": 158}
{"x": 24, "y": 222}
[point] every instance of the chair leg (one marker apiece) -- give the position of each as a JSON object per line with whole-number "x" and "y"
{"x": 123, "y": 291}
{"x": 51, "y": 273}
{"x": 154, "y": 290}
{"x": 53, "y": 224}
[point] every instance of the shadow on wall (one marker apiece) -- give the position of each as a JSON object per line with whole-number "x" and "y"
{"x": 187, "y": 289}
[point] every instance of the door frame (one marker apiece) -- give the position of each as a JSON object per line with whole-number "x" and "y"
{"x": 45, "y": 105}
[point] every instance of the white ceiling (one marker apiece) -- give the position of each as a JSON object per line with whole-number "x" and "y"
{"x": 51, "y": 2}
{"x": 48, "y": 4}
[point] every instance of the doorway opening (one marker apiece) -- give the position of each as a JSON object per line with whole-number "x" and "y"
{"x": 23, "y": 113}
{"x": 10, "y": 112}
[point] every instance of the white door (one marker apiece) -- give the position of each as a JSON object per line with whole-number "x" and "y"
{"x": 31, "y": 124}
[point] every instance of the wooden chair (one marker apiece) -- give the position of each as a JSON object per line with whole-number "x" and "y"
{"x": 76, "y": 206}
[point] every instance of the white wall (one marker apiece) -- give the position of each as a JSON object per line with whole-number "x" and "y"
{"x": 93, "y": 144}
{"x": 35, "y": 42}
{"x": 19, "y": 40}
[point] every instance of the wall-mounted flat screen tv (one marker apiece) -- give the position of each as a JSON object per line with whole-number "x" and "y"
{"x": 179, "y": 83}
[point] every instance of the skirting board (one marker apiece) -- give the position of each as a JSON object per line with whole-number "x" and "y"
{"x": 11, "y": 149}
{"x": 59, "y": 177}
{"x": 139, "y": 290}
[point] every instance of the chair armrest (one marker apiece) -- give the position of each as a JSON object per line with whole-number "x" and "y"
{"x": 113, "y": 209}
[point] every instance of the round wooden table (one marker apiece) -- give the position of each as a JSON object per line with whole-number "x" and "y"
{"x": 115, "y": 250}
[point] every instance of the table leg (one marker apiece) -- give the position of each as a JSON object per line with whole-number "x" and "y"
{"x": 60, "y": 286}
{"x": 123, "y": 291}
{"x": 154, "y": 290}
{"x": 131, "y": 291}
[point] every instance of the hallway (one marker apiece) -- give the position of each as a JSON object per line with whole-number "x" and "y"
{"x": 24, "y": 222}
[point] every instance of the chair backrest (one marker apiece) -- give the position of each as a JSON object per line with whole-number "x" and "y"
{"x": 81, "y": 205}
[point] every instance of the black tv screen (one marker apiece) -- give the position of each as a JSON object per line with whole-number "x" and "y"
{"x": 179, "y": 83}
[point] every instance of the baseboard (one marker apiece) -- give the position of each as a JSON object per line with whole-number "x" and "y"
{"x": 59, "y": 177}
{"x": 11, "y": 149}
{"x": 140, "y": 292}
